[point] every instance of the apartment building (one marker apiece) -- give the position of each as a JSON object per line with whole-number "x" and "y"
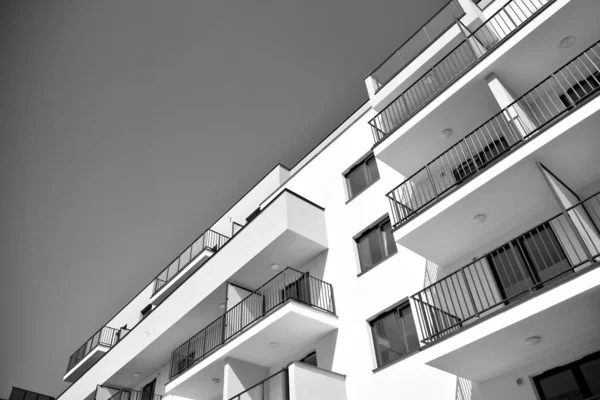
{"x": 441, "y": 243}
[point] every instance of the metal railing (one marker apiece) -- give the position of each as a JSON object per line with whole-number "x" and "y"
{"x": 209, "y": 240}
{"x": 275, "y": 387}
{"x": 106, "y": 336}
{"x": 111, "y": 393}
{"x": 500, "y": 26}
{"x": 562, "y": 92}
{"x": 563, "y": 245}
{"x": 288, "y": 284}
{"x": 418, "y": 42}
{"x": 22, "y": 394}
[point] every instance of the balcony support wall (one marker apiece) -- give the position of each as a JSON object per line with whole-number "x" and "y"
{"x": 241, "y": 375}
{"x": 580, "y": 221}
{"x": 472, "y": 9}
{"x": 515, "y": 115}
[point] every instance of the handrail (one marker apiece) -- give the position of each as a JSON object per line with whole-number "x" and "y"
{"x": 287, "y": 285}
{"x": 105, "y": 336}
{"x": 562, "y": 92}
{"x": 208, "y": 240}
{"x": 486, "y": 38}
{"x": 454, "y": 4}
{"x": 284, "y": 387}
{"x": 563, "y": 244}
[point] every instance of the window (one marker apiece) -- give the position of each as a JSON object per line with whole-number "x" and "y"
{"x": 394, "y": 335}
{"x": 361, "y": 176}
{"x": 528, "y": 261}
{"x": 574, "y": 381}
{"x": 375, "y": 245}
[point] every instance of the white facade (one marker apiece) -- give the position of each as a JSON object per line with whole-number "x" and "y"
{"x": 234, "y": 316}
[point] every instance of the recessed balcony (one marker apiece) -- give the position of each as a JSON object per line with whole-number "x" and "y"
{"x": 490, "y": 175}
{"x": 285, "y": 314}
{"x": 481, "y": 317}
{"x": 90, "y": 352}
{"x": 186, "y": 263}
{"x": 298, "y": 381}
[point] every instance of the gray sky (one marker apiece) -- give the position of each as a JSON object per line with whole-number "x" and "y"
{"x": 127, "y": 127}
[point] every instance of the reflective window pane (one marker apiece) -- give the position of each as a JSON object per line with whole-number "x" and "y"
{"x": 394, "y": 335}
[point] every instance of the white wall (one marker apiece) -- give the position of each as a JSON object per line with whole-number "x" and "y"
{"x": 505, "y": 387}
{"x": 309, "y": 383}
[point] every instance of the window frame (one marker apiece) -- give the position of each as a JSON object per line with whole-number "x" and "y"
{"x": 574, "y": 367}
{"x": 385, "y": 245}
{"x": 361, "y": 163}
{"x": 397, "y": 311}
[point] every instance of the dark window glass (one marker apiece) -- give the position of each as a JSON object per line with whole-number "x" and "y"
{"x": 531, "y": 259}
{"x": 376, "y": 244}
{"x": 310, "y": 359}
{"x": 362, "y": 176}
{"x": 591, "y": 374}
{"x": 575, "y": 381}
{"x": 394, "y": 335}
{"x": 17, "y": 394}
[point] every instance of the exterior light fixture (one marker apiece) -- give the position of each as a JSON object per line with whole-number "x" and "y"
{"x": 274, "y": 344}
{"x": 533, "y": 340}
{"x": 446, "y": 133}
{"x": 214, "y": 381}
{"x": 479, "y": 218}
{"x": 136, "y": 374}
{"x": 274, "y": 267}
{"x": 566, "y": 42}
{"x": 222, "y": 305}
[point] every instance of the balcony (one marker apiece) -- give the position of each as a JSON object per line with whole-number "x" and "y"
{"x": 90, "y": 352}
{"x": 480, "y": 315}
{"x": 484, "y": 40}
{"x": 415, "y": 45}
{"x": 186, "y": 263}
{"x": 467, "y": 177}
{"x": 104, "y": 392}
{"x": 293, "y": 307}
{"x": 298, "y": 381}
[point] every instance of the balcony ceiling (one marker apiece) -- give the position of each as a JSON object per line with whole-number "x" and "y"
{"x": 513, "y": 201}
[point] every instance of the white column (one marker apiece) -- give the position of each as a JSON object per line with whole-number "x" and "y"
{"x": 514, "y": 113}
{"x": 576, "y": 226}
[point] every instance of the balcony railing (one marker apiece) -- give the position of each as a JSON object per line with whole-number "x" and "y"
{"x": 417, "y": 43}
{"x": 562, "y": 92}
{"x": 275, "y": 387}
{"x": 106, "y": 336}
{"x": 288, "y": 284}
{"x": 110, "y": 393}
{"x": 500, "y": 26}
{"x": 209, "y": 240}
{"x": 558, "y": 248}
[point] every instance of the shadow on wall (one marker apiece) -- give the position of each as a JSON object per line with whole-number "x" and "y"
{"x": 431, "y": 273}
{"x": 464, "y": 389}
